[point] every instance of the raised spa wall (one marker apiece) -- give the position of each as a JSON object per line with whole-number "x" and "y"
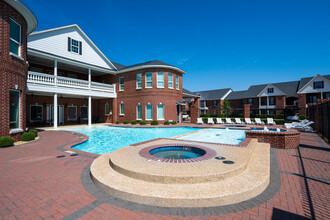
{"x": 289, "y": 139}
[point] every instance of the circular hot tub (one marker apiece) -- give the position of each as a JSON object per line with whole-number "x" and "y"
{"x": 177, "y": 152}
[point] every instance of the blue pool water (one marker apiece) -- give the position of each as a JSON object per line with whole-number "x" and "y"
{"x": 105, "y": 139}
{"x": 177, "y": 152}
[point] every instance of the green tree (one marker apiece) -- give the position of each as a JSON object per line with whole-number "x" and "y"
{"x": 226, "y": 107}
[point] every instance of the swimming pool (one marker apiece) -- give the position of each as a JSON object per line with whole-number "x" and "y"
{"x": 105, "y": 139}
{"x": 217, "y": 135}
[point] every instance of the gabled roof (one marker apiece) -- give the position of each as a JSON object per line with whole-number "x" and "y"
{"x": 288, "y": 88}
{"x": 305, "y": 81}
{"x": 82, "y": 33}
{"x": 237, "y": 95}
{"x": 216, "y": 94}
{"x": 187, "y": 93}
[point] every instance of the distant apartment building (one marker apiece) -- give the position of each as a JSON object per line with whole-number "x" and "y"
{"x": 287, "y": 98}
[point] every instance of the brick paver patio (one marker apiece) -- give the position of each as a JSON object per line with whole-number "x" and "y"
{"x": 35, "y": 184}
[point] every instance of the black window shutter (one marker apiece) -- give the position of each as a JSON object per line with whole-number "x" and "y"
{"x": 80, "y": 47}
{"x": 313, "y": 85}
{"x": 69, "y": 43}
{"x": 322, "y": 84}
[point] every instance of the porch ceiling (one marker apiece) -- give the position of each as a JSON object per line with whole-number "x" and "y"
{"x": 62, "y": 95}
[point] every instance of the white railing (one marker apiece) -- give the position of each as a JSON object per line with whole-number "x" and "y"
{"x": 60, "y": 81}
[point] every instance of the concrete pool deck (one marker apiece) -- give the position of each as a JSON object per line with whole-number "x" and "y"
{"x": 35, "y": 184}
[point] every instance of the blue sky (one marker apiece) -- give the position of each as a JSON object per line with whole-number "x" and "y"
{"x": 220, "y": 43}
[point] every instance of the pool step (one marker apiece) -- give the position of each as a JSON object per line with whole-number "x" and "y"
{"x": 244, "y": 185}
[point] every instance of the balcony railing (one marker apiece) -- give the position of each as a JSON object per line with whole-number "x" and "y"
{"x": 60, "y": 81}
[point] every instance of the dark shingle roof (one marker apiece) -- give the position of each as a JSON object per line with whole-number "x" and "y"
{"x": 149, "y": 63}
{"x": 186, "y": 91}
{"x": 236, "y": 95}
{"x": 118, "y": 65}
{"x": 304, "y": 81}
{"x": 212, "y": 94}
{"x": 288, "y": 88}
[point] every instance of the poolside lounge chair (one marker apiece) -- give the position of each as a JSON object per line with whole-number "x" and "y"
{"x": 228, "y": 121}
{"x": 295, "y": 124}
{"x": 270, "y": 121}
{"x": 238, "y": 121}
{"x": 258, "y": 121}
{"x": 219, "y": 121}
{"x": 210, "y": 121}
{"x": 303, "y": 126}
{"x": 199, "y": 121}
{"x": 248, "y": 121}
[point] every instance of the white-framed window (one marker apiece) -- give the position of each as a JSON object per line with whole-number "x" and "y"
{"x": 36, "y": 113}
{"x": 170, "y": 81}
{"x": 160, "y": 80}
{"x": 271, "y": 100}
{"x": 139, "y": 112}
{"x": 318, "y": 85}
{"x": 121, "y": 83}
{"x": 122, "y": 109}
{"x": 148, "y": 112}
{"x": 74, "y": 46}
{"x": 72, "y": 113}
{"x": 177, "y": 82}
{"x": 148, "y": 80}
{"x": 139, "y": 81}
{"x": 215, "y": 102}
{"x": 15, "y": 108}
{"x": 107, "y": 109}
{"x": 270, "y": 90}
{"x": 250, "y": 101}
{"x": 15, "y": 38}
{"x": 83, "y": 112}
{"x": 160, "y": 112}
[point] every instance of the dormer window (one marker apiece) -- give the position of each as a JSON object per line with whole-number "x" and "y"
{"x": 318, "y": 85}
{"x": 270, "y": 90}
{"x": 74, "y": 46}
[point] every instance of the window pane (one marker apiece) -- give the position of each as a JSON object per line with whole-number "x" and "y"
{"x": 177, "y": 82}
{"x": 72, "y": 113}
{"x": 121, "y": 83}
{"x": 149, "y": 112}
{"x": 149, "y": 80}
{"x": 107, "y": 109}
{"x": 14, "y": 109}
{"x": 84, "y": 112}
{"x": 36, "y": 113}
{"x": 139, "y": 112}
{"x": 160, "y": 112}
{"x": 14, "y": 47}
{"x": 15, "y": 31}
{"x": 122, "y": 108}
{"x": 139, "y": 81}
{"x": 160, "y": 80}
{"x": 170, "y": 81}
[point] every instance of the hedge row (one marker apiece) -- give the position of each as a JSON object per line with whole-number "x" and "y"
{"x": 27, "y": 136}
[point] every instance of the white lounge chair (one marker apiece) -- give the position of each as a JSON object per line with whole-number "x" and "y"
{"x": 199, "y": 121}
{"x": 258, "y": 121}
{"x": 270, "y": 121}
{"x": 210, "y": 121}
{"x": 296, "y": 124}
{"x": 248, "y": 121}
{"x": 238, "y": 121}
{"x": 228, "y": 121}
{"x": 304, "y": 126}
{"x": 219, "y": 121}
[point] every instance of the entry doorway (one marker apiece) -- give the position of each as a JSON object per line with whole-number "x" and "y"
{"x": 50, "y": 114}
{"x": 179, "y": 113}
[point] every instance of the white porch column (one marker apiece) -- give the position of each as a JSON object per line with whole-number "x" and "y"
{"x": 55, "y": 110}
{"x": 89, "y": 77}
{"x": 259, "y": 105}
{"x": 267, "y": 105}
{"x": 89, "y": 110}
{"x": 55, "y": 71}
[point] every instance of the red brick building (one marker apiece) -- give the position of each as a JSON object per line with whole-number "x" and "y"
{"x": 16, "y": 22}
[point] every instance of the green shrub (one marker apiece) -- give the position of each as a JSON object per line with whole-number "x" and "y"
{"x": 174, "y": 122}
{"x": 27, "y": 136}
{"x": 125, "y": 122}
{"x": 154, "y": 122}
{"x": 133, "y": 122}
{"x": 303, "y": 117}
{"x": 166, "y": 123}
{"x": 118, "y": 122}
{"x": 143, "y": 122}
{"x": 35, "y": 132}
{"x": 6, "y": 141}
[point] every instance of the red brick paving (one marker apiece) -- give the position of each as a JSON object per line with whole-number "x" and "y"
{"x": 35, "y": 184}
